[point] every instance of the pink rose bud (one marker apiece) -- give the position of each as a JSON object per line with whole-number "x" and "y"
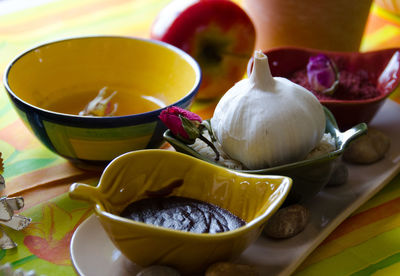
{"x": 322, "y": 74}
{"x": 182, "y": 123}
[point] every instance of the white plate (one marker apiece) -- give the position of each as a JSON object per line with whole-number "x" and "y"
{"x": 92, "y": 253}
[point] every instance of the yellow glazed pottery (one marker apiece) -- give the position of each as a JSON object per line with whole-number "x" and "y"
{"x": 50, "y": 83}
{"x": 131, "y": 176}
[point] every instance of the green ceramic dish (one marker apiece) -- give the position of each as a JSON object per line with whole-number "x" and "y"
{"x": 309, "y": 176}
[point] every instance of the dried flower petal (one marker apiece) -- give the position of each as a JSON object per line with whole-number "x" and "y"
{"x": 182, "y": 123}
{"x": 322, "y": 74}
{"x": 187, "y": 126}
{"x": 100, "y": 106}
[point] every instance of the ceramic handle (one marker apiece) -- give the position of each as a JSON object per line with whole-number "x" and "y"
{"x": 81, "y": 191}
{"x": 353, "y": 133}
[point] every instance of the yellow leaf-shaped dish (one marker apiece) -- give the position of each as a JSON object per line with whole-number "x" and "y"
{"x": 131, "y": 177}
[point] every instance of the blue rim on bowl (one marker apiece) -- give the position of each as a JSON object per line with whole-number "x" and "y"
{"x": 92, "y": 122}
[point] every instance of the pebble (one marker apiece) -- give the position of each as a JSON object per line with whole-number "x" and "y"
{"x": 368, "y": 148}
{"x": 287, "y": 222}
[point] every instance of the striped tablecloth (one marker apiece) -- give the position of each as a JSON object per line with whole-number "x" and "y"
{"x": 367, "y": 243}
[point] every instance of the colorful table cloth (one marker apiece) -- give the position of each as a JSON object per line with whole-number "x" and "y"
{"x": 367, "y": 243}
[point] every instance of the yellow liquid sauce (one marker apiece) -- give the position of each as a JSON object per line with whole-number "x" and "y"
{"x": 129, "y": 102}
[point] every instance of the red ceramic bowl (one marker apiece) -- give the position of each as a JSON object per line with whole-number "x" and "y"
{"x": 348, "y": 113}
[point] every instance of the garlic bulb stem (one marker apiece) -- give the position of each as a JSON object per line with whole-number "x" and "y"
{"x": 261, "y": 74}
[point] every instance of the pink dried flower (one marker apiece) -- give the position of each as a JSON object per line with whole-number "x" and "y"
{"x": 182, "y": 123}
{"x": 322, "y": 74}
{"x": 186, "y": 126}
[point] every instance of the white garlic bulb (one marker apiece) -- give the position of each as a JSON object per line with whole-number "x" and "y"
{"x": 265, "y": 121}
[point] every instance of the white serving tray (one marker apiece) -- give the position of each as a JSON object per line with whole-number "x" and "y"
{"x": 92, "y": 253}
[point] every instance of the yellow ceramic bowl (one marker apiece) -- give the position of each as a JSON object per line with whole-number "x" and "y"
{"x": 254, "y": 198}
{"x": 51, "y": 83}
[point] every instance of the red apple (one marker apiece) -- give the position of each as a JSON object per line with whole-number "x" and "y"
{"x": 217, "y": 33}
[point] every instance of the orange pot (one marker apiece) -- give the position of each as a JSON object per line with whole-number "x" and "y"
{"x": 319, "y": 24}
